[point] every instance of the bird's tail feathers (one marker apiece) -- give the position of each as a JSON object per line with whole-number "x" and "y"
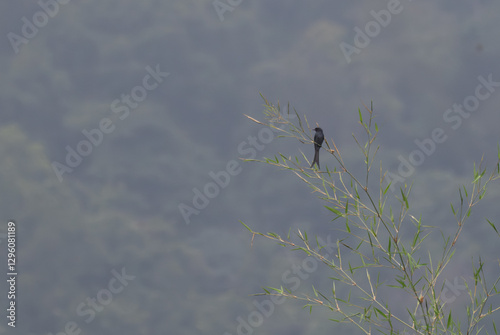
{"x": 316, "y": 159}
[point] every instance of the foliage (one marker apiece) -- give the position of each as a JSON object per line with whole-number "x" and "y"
{"x": 377, "y": 245}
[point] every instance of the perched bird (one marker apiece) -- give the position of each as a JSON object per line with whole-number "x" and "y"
{"x": 318, "y": 141}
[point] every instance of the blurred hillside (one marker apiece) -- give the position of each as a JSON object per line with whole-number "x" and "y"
{"x": 166, "y": 84}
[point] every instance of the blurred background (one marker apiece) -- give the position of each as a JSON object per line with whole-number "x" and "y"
{"x": 118, "y": 117}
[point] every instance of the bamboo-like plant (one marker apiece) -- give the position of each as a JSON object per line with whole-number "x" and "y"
{"x": 376, "y": 247}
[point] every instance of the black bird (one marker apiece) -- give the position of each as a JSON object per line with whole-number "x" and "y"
{"x": 318, "y": 141}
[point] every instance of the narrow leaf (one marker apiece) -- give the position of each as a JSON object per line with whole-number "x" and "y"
{"x": 493, "y": 226}
{"x": 246, "y": 226}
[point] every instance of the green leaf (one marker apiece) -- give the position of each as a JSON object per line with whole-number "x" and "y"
{"x": 493, "y": 226}
{"x": 477, "y": 174}
{"x": 415, "y": 239}
{"x": 246, "y": 226}
{"x": 412, "y": 317}
{"x": 383, "y": 314}
{"x": 405, "y": 199}
{"x": 336, "y": 211}
{"x": 315, "y": 292}
{"x": 278, "y": 290}
{"x": 482, "y": 194}
{"x": 387, "y": 188}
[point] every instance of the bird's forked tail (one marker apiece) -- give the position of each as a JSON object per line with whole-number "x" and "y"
{"x": 316, "y": 159}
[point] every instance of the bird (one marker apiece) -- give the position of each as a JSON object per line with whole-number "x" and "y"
{"x": 319, "y": 137}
